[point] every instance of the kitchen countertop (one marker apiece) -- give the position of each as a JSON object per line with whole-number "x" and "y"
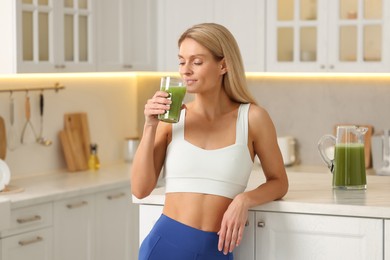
{"x": 311, "y": 192}
{"x": 56, "y": 186}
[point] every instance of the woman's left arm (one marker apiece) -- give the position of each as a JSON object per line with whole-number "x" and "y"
{"x": 263, "y": 143}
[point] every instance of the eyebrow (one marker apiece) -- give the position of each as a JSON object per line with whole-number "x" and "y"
{"x": 192, "y": 56}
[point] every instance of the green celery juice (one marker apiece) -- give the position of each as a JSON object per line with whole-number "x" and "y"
{"x": 350, "y": 170}
{"x": 177, "y": 94}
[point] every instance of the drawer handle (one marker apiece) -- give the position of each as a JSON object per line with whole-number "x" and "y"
{"x": 261, "y": 224}
{"x": 77, "y": 205}
{"x": 29, "y": 219}
{"x": 31, "y": 241}
{"x": 116, "y": 196}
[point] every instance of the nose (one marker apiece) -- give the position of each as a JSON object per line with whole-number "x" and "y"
{"x": 185, "y": 69}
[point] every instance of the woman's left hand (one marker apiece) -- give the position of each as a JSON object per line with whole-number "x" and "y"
{"x": 232, "y": 226}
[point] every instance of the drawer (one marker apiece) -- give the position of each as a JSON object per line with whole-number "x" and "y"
{"x": 29, "y": 218}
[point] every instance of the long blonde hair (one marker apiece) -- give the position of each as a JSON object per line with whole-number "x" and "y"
{"x": 222, "y": 44}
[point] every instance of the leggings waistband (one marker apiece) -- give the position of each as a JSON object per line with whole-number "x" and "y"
{"x": 185, "y": 236}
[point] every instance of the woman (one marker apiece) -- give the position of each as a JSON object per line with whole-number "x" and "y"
{"x": 208, "y": 155}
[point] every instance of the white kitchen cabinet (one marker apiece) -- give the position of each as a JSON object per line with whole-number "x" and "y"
{"x": 245, "y": 21}
{"x": 387, "y": 239}
{"x": 246, "y": 250}
{"x": 47, "y": 36}
{"x": 148, "y": 216}
{"x": 321, "y": 35}
{"x": 300, "y": 236}
{"x": 126, "y": 35}
{"x": 113, "y": 225}
{"x": 34, "y": 245}
{"x": 29, "y": 235}
{"x": 74, "y": 228}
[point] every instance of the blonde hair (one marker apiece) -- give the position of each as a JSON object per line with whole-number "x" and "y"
{"x": 222, "y": 44}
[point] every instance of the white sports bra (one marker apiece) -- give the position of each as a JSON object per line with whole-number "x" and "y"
{"x": 224, "y": 171}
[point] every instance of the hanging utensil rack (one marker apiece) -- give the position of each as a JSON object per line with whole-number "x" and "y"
{"x": 56, "y": 87}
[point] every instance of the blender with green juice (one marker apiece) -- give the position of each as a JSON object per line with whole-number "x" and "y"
{"x": 348, "y": 165}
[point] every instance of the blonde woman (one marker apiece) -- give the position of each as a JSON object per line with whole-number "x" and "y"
{"x": 207, "y": 157}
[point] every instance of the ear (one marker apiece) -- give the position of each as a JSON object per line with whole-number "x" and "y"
{"x": 223, "y": 68}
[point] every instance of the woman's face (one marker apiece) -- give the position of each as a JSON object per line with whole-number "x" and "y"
{"x": 198, "y": 67}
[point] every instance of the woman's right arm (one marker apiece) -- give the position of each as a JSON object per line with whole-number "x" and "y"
{"x": 150, "y": 155}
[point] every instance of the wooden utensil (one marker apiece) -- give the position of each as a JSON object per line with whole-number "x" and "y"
{"x": 3, "y": 139}
{"x": 367, "y": 142}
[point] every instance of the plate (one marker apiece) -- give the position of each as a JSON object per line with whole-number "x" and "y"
{"x": 5, "y": 175}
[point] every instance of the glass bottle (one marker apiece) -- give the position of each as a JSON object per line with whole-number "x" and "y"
{"x": 93, "y": 161}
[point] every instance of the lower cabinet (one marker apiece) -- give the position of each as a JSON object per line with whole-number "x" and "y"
{"x": 74, "y": 228}
{"x": 272, "y": 235}
{"x": 301, "y": 236}
{"x": 387, "y": 239}
{"x": 30, "y": 234}
{"x": 93, "y": 227}
{"x": 35, "y": 245}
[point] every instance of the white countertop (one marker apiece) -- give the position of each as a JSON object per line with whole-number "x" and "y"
{"x": 55, "y": 186}
{"x": 311, "y": 192}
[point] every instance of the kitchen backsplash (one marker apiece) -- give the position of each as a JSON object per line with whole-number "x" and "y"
{"x": 304, "y": 107}
{"x": 108, "y": 99}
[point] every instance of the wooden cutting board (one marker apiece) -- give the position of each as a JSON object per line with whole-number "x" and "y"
{"x": 367, "y": 142}
{"x": 77, "y": 123}
{"x": 3, "y": 139}
{"x": 75, "y": 140}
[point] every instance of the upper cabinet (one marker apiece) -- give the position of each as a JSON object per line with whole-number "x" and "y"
{"x": 322, "y": 35}
{"x": 244, "y": 19}
{"x": 126, "y": 35}
{"x": 47, "y": 36}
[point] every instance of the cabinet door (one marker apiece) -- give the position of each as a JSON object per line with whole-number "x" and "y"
{"x": 148, "y": 215}
{"x": 247, "y": 23}
{"x": 246, "y": 250}
{"x": 359, "y": 35}
{"x": 298, "y": 236}
{"x": 126, "y": 35}
{"x": 113, "y": 225}
{"x": 387, "y": 239}
{"x": 75, "y": 36}
{"x": 296, "y": 35}
{"x": 174, "y": 17}
{"x": 35, "y": 245}
{"x": 35, "y": 36}
{"x": 73, "y": 229}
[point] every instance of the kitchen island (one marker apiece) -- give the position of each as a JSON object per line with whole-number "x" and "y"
{"x": 313, "y": 221}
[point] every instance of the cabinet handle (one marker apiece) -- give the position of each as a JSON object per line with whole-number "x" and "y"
{"x": 28, "y": 219}
{"x": 31, "y": 241}
{"x": 247, "y": 223}
{"x": 127, "y": 66}
{"x": 322, "y": 67}
{"x": 331, "y": 67}
{"x": 116, "y": 196}
{"x": 62, "y": 66}
{"x": 261, "y": 224}
{"x": 77, "y": 205}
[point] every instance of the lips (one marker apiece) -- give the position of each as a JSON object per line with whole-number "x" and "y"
{"x": 190, "y": 81}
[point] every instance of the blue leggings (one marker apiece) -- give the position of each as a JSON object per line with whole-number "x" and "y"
{"x": 172, "y": 240}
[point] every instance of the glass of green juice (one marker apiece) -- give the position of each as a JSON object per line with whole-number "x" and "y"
{"x": 176, "y": 89}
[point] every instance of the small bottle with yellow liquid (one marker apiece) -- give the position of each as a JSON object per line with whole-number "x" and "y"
{"x": 93, "y": 161}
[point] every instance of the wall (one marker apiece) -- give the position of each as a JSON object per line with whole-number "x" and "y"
{"x": 109, "y": 100}
{"x": 308, "y": 107}
{"x": 304, "y": 106}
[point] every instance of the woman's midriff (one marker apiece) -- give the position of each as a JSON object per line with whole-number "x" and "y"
{"x": 201, "y": 211}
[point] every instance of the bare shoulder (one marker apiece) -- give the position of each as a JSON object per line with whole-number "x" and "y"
{"x": 260, "y": 122}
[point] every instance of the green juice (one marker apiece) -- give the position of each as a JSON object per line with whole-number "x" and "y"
{"x": 176, "y": 96}
{"x": 350, "y": 170}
